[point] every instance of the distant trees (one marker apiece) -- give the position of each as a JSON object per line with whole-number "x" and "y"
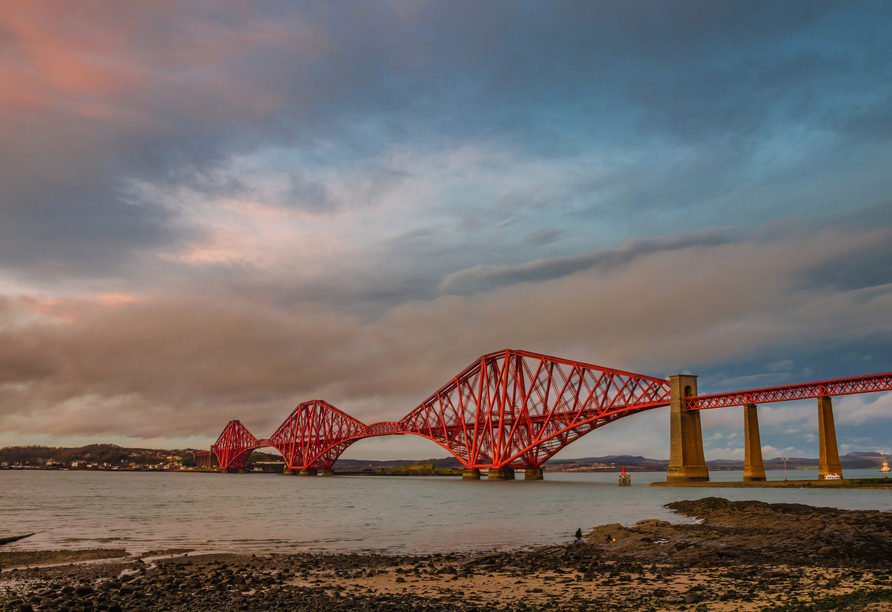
{"x": 100, "y": 454}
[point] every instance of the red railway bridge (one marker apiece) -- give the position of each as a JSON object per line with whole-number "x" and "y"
{"x": 513, "y": 410}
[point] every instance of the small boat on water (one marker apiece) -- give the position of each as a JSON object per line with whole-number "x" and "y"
{"x": 885, "y": 467}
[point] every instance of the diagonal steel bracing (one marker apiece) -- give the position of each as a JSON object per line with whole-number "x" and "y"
{"x": 517, "y": 409}
{"x": 510, "y": 408}
{"x": 234, "y": 446}
{"x": 822, "y": 388}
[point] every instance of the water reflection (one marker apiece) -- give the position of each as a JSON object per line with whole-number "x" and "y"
{"x": 268, "y": 513}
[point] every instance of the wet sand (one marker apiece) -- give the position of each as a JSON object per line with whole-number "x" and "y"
{"x": 742, "y": 556}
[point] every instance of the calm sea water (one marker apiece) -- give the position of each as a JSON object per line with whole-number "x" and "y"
{"x": 269, "y": 513}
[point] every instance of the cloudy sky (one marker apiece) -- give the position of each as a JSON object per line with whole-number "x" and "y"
{"x": 216, "y": 210}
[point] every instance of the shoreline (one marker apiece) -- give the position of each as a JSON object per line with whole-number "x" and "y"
{"x": 738, "y": 556}
{"x": 843, "y": 483}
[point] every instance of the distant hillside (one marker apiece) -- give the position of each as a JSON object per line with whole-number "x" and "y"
{"x": 114, "y": 455}
{"x": 851, "y": 461}
{"x": 446, "y": 462}
{"x": 101, "y": 454}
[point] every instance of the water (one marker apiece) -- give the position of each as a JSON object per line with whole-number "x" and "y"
{"x": 143, "y": 511}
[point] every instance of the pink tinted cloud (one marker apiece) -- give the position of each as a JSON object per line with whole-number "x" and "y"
{"x": 212, "y": 360}
{"x": 72, "y": 309}
{"x": 139, "y": 62}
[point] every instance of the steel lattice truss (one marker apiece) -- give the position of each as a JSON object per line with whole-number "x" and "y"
{"x": 234, "y": 446}
{"x": 517, "y": 409}
{"x": 315, "y": 434}
{"x": 838, "y": 386}
{"x": 507, "y": 409}
{"x": 385, "y": 428}
{"x": 511, "y": 408}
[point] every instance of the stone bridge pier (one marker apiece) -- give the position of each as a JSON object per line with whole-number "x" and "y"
{"x": 687, "y": 461}
{"x": 829, "y": 452}
{"x": 753, "y": 466}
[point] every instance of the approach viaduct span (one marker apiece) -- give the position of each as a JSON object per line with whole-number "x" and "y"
{"x": 513, "y": 410}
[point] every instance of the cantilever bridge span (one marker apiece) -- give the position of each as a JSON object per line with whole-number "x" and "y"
{"x": 515, "y": 409}
{"x": 507, "y": 410}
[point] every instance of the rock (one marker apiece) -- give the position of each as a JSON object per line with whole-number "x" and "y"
{"x": 607, "y": 533}
{"x": 650, "y": 524}
{"x": 693, "y": 597}
{"x": 14, "y": 538}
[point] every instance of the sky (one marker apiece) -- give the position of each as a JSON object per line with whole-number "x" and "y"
{"x": 217, "y": 210}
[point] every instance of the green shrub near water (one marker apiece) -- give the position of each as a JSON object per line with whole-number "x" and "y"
{"x": 419, "y": 469}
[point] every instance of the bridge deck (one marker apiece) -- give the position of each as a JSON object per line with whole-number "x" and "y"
{"x": 784, "y": 393}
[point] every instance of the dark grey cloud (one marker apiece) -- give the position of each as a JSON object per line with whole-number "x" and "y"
{"x": 168, "y": 93}
{"x": 75, "y": 229}
{"x": 483, "y": 278}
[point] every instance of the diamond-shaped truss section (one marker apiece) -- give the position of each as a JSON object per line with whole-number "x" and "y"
{"x": 315, "y": 434}
{"x": 234, "y": 446}
{"x": 517, "y": 409}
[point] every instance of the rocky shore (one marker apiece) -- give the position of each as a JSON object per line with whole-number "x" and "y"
{"x": 739, "y": 556}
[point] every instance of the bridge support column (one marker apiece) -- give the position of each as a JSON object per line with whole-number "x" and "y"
{"x": 287, "y": 472}
{"x": 829, "y": 452}
{"x": 470, "y": 474}
{"x": 309, "y": 472}
{"x": 328, "y": 472}
{"x": 753, "y": 466}
{"x": 533, "y": 474}
{"x": 687, "y": 462}
{"x": 504, "y": 473}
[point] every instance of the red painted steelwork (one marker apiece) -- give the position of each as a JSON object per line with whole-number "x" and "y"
{"x": 234, "y": 446}
{"x": 508, "y": 409}
{"x": 385, "y": 428}
{"x": 511, "y": 408}
{"x": 517, "y": 409}
{"x": 822, "y": 388}
{"x": 315, "y": 434}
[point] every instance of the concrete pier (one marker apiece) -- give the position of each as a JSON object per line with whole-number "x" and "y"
{"x": 533, "y": 474}
{"x": 501, "y": 474}
{"x": 309, "y": 472}
{"x": 287, "y": 472}
{"x": 328, "y": 472}
{"x": 470, "y": 475}
{"x": 687, "y": 462}
{"x": 829, "y": 451}
{"x": 753, "y": 466}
